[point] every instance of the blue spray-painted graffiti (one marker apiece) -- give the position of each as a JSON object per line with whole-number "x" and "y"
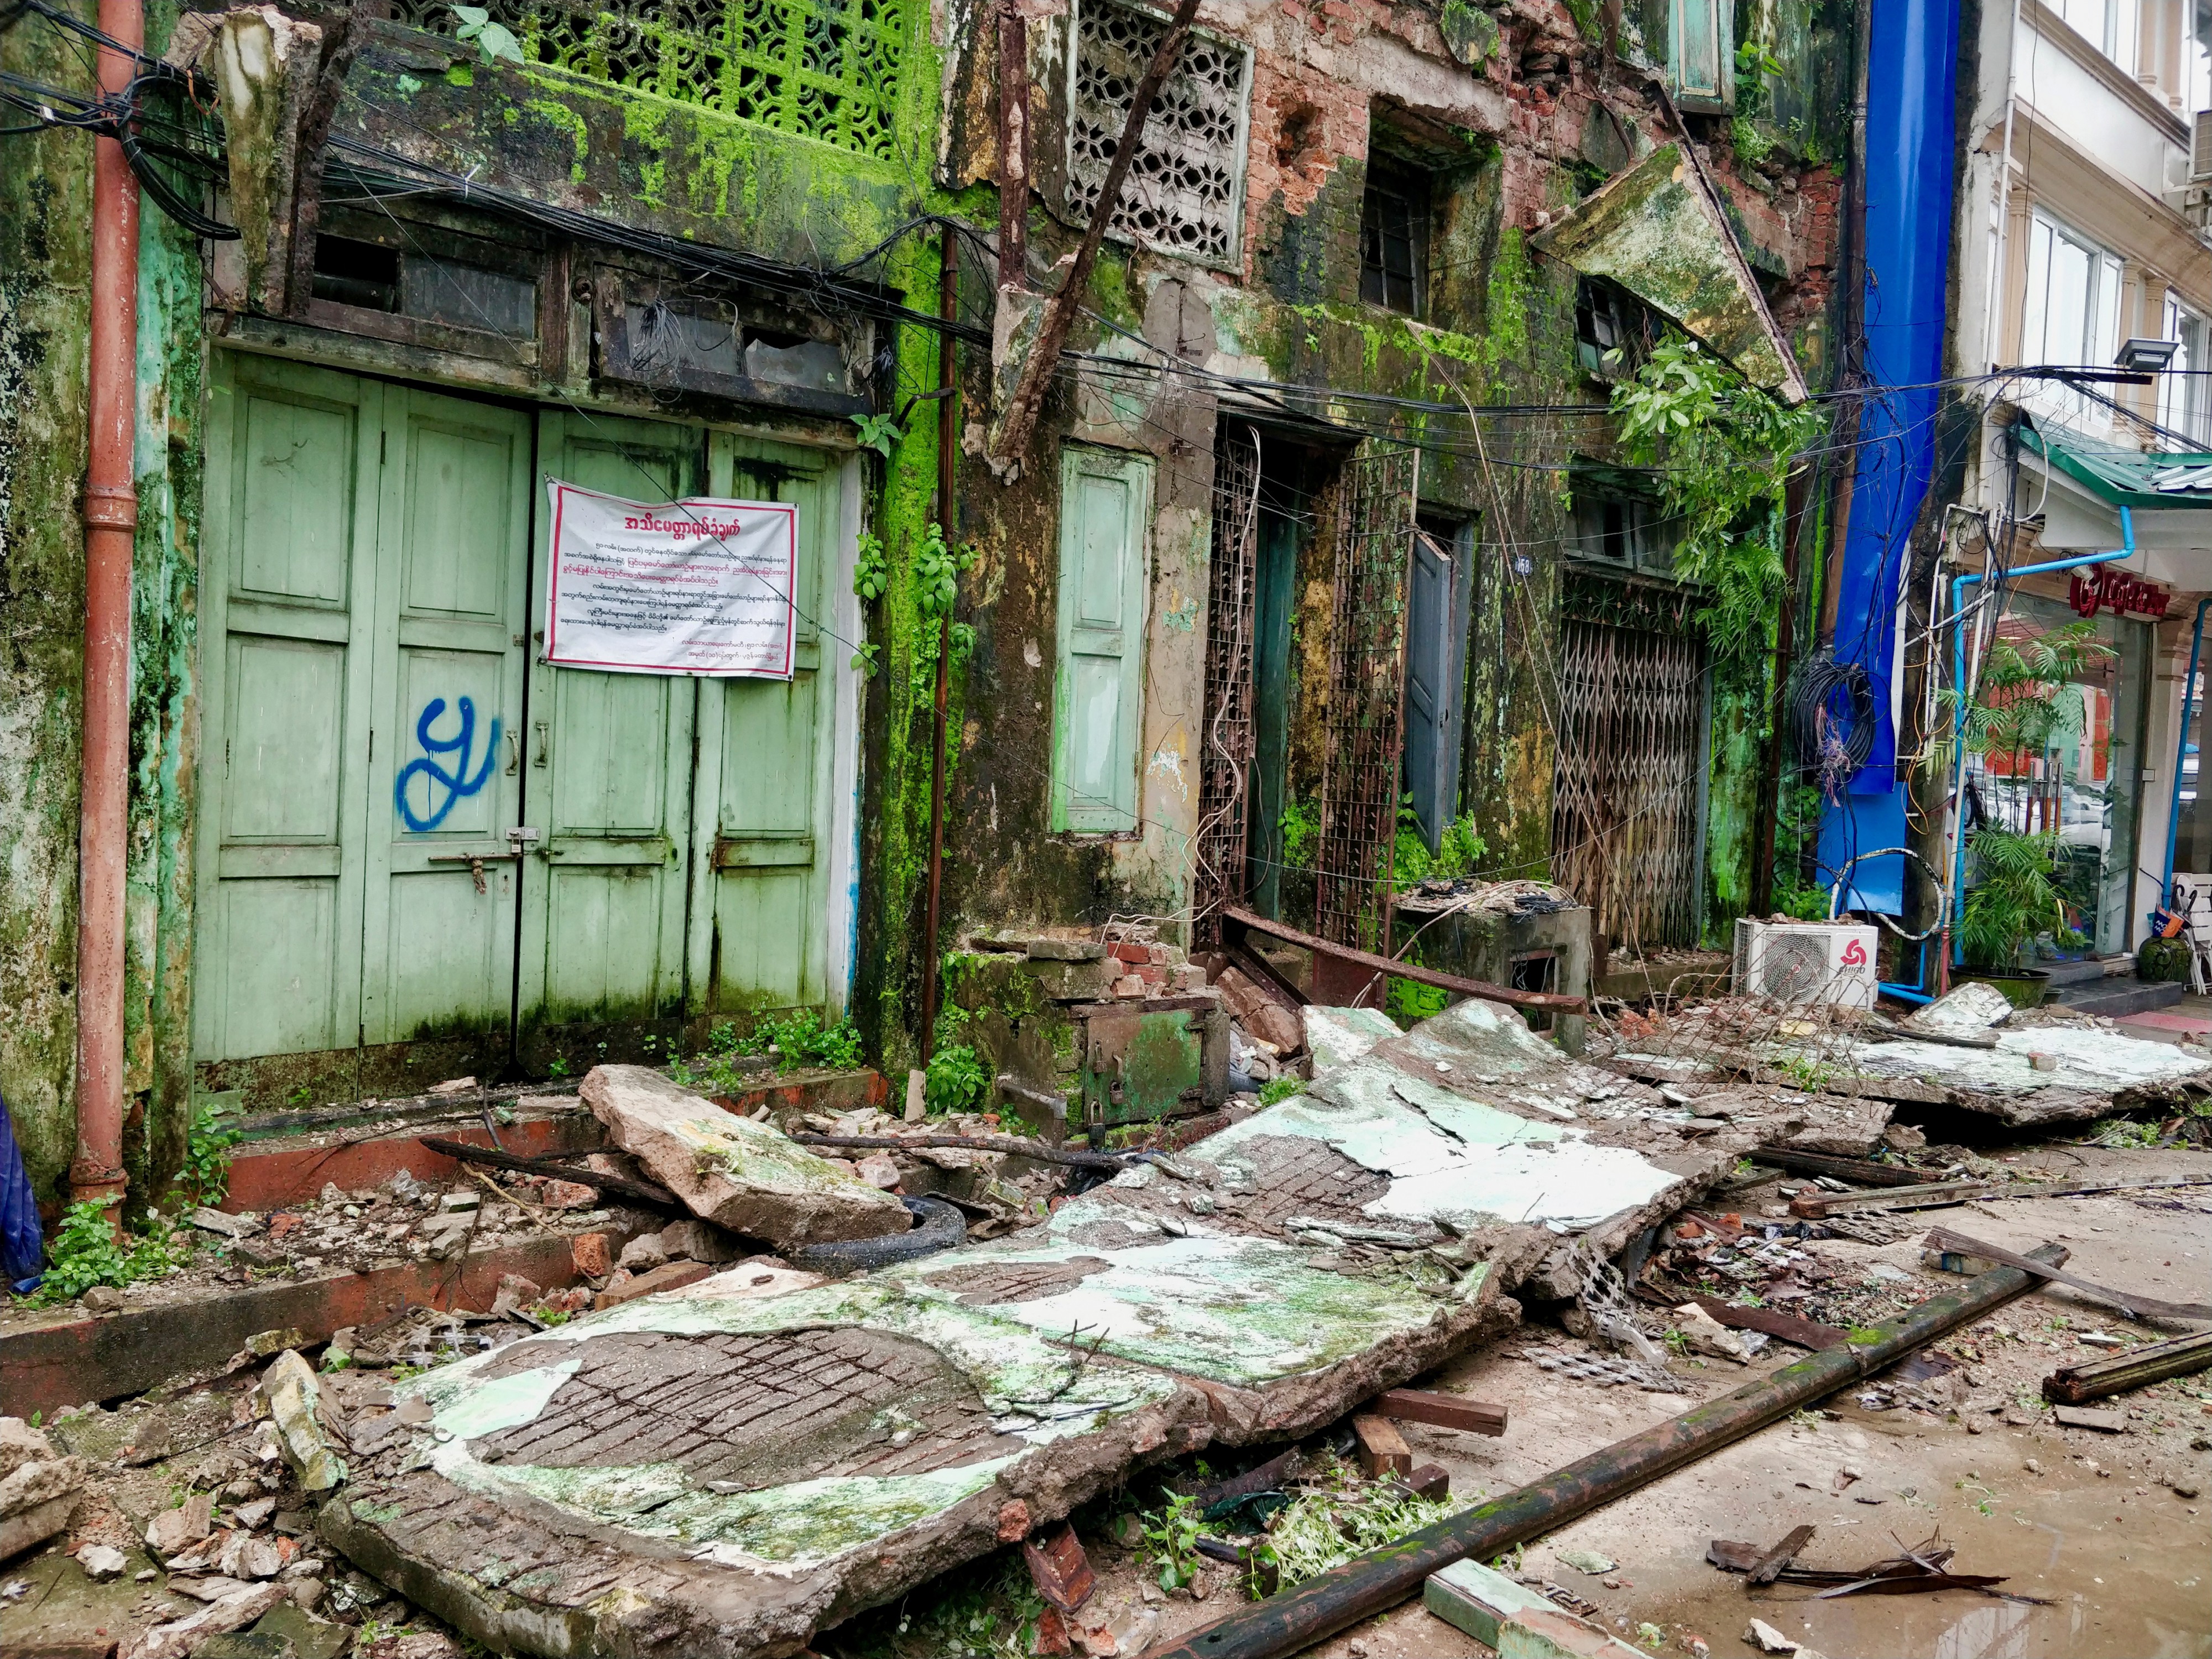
{"x": 456, "y": 783}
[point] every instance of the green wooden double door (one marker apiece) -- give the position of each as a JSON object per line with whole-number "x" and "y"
{"x": 423, "y": 852}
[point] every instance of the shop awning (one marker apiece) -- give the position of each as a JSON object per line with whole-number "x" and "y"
{"x": 2127, "y": 477}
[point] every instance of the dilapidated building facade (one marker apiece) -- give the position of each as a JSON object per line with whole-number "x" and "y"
{"x": 1324, "y": 523}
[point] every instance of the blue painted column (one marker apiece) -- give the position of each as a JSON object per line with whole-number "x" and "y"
{"x": 1911, "y": 77}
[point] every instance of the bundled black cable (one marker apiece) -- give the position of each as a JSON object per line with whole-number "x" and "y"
{"x": 1832, "y": 717}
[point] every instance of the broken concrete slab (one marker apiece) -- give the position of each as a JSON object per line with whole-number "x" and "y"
{"x": 810, "y": 1449}
{"x": 1973, "y": 1009}
{"x": 2096, "y": 1073}
{"x": 293, "y": 1395}
{"x": 1337, "y": 1037}
{"x": 723, "y": 1468}
{"x": 1658, "y": 230}
{"x": 743, "y": 1177}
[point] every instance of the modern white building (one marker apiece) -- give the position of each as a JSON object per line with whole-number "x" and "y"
{"x": 2083, "y": 240}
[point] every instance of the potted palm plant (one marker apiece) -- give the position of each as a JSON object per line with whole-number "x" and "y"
{"x": 2026, "y": 704}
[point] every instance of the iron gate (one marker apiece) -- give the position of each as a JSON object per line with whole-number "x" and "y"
{"x": 1363, "y": 720}
{"x": 1630, "y": 781}
{"x": 1225, "y": 742}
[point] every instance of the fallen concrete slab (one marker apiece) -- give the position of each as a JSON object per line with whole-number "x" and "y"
{"x": 742, "y": 1176}
{"x": 724, "y": 1468}
{"x": 2096, "y": 1072}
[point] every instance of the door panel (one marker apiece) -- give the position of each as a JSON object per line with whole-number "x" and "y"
{"x": 608, "y": 782}
{"x": 762, "y": 759}
{"x": 438, "y": 953}
{"x": 290, "y": 537}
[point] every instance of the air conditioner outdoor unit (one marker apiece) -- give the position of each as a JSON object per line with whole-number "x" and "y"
{"x": 1805, "y": 962}
{"x": 2200, "y": 148}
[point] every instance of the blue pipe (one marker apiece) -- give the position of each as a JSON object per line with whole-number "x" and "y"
{"x": 2125, "y": 550}
{"x": 2181, "y": 749}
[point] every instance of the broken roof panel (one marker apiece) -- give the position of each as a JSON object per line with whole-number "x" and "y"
{"x": 1658, "y": 231}
{"x": 725, "y": 1468}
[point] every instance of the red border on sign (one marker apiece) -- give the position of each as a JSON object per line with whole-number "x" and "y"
{"x": 790, "y": 512}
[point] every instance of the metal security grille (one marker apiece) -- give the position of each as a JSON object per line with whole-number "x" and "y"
{"x": 821, "y": 69}
{"x": 1225, "y": 742}
{"x": 1363, "y": 736}
{"x": 1627, "y": 787}
{"x": 1182, "y": 193}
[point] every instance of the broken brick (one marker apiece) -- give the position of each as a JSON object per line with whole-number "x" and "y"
{"x": 588, "y": 1254}
{"x": 1013, "y": 1521}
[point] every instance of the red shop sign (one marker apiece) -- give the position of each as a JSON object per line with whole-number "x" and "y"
{"x": 2107, "y": 589}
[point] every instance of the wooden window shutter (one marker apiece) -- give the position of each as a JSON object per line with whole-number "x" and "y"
{"x": 1105, "y": 505}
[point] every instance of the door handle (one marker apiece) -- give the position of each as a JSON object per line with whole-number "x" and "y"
{"x": 543, "y": 744}
{"x": 513, "y": 753}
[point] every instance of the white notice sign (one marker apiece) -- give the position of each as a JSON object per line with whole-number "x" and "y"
{"x": 696, "y": 586}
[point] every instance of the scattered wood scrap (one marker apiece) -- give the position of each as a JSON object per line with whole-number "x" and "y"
{"x": 1382, "y": 1449}
{"x": 1445, "y": 1410}
{"x": 1916, "y": 1572}
{"x": 1863, "y": 1170}
{"x": 2072, "y": 1385}
{"x": 1772, "y": 1562}
{"x": 2134, "y": 1306}
{"x": 558, "y": 1168}
{"x": 1804, "y": 1333}
{"x": 1817, "y": 1207}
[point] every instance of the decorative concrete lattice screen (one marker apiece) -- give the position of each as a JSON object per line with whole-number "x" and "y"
{"x": 1184, "y": 188}
{"x": 821, "y": 69}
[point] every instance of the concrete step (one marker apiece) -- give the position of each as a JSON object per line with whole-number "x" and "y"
{"x": 2089, "y": 970}
{"x": 2118, "y": 996}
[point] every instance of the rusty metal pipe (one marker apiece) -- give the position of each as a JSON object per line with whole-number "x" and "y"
{"x": 111, "y": 517}
{"x": 1319, "y": 1609}
{"x": 948, "y": 458}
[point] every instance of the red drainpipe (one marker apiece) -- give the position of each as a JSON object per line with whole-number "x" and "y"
{"x": 111, "y": 517}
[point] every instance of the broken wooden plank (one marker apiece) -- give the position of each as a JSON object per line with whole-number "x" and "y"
{"x": 2072, "y": 1385}
{"x": 2127, "y": 1302}
{"x": 1817, "y": 1207}
{"x": 1059, "y": 1568}
{"x": 1430, "y": 1480}
{"x": 1805, "y": 1333}
{"x": 1861, "y": 1170}
{"x": 1445, "y": 1411}
{"x": 1267, "y": 1477}
{"x": 1382, "y": 1449}
{"x": 1769, "y": 1566}
{"x": 2082, "y": 1417}
{"x": 559, "y": 1169}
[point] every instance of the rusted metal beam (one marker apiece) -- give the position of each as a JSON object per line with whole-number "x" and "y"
{"x": 111, "y": 519}
{"x": 948, "y": 464}
{"x": 1013, "y": 1146}
{"x": 1351, "y": 956}
{"x": 1013, "y": 441}
{"x": 1334, "y": 1601}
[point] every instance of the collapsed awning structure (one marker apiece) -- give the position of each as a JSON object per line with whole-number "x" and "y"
{"x": 725, "y": 1469}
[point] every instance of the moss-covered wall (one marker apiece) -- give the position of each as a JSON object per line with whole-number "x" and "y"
{"x": 45, "y": 212}
{"x": 45, "y": 265}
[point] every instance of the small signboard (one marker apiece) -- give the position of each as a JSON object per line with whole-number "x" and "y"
{"x": 699, "y": 586}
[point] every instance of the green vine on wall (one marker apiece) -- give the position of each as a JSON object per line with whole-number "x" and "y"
{"x": 1723, "y": 449}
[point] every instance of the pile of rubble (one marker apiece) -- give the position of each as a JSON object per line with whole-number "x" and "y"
{"x": 817, "y": 1359}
